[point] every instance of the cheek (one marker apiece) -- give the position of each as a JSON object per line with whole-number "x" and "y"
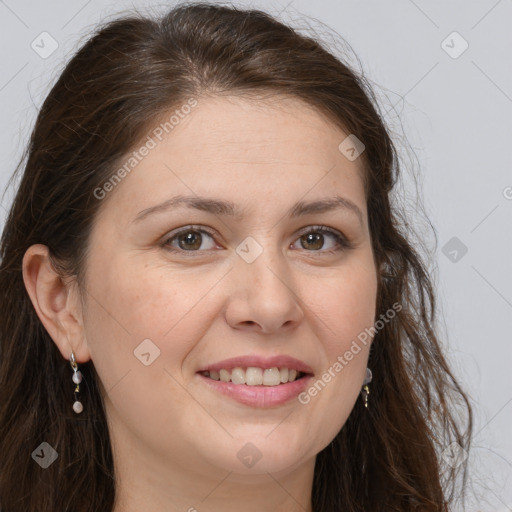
{"x": 130, "y": 303}
{"x": 346, "y": 310}
{"x": 160, "y": 313}
{"x": 346, "y": 305}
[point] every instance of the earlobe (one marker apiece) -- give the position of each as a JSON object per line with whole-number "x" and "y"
{"x": 55, "y": 302}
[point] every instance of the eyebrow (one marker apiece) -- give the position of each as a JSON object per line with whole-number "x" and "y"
{"x": 228, "y": 208}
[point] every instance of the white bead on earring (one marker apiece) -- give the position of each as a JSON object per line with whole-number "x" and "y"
{"x": 77, "y": 378}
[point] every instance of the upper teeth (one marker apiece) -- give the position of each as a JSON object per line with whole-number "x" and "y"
{"x": 253, "y": 376}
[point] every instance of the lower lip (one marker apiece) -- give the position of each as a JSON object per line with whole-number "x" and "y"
{"x": 259, "y": 396}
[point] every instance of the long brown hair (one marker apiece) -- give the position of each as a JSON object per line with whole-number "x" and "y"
{"x": 133, "y": 69}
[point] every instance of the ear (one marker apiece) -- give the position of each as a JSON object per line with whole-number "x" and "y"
{"x": 56, "y": 302}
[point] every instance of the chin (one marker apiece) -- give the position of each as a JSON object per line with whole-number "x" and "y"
{"x": 263, "y": 452}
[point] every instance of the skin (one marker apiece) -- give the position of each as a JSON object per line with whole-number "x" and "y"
{"x": 175, "y": 441}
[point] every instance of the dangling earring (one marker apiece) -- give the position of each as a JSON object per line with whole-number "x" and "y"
{"x": 366, "y": 390}
{"x": 77, "y": 378}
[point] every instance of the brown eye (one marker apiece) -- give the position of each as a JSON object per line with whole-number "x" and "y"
{"x": 190, "y": 239}
{"x": 314, "y": 240}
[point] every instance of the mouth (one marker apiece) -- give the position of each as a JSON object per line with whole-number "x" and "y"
{"x": 256, "y": 376}
{"x": 257, "y": 387}
{"x": 257, "y": 380}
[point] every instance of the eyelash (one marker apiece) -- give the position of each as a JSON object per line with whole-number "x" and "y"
{"x": 342, "y": 242}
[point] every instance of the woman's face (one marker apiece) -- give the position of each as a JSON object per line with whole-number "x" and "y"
{"x": 177, "y": 290}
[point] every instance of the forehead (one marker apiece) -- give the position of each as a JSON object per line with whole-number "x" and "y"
{"x": 271, "y": 142}
{"x": 253, "y": 123}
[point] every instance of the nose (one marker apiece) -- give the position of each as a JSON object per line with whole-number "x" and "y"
{"x": 263, "y": 297}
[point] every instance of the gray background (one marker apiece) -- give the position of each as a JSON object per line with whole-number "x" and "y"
{"x": 453, "y": 109}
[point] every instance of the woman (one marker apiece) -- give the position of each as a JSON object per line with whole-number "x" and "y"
{"x": 216, "y": 306}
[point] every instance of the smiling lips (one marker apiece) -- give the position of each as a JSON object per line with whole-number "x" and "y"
{"x": 258, "y": 381}
{"x": 254, "y": 376}
{"x": 256, "y": 370}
